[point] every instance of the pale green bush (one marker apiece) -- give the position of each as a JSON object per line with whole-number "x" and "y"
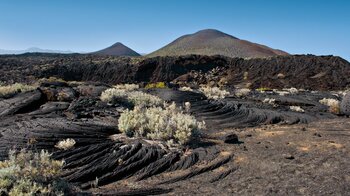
{"x": 185, "y": 88}
{"x": 241, "y": 92}
{"x": 28, "y": 173}
{"x": 296, "y": 109}
{"x": 157, "y": 123}
{"x": 333, "y": 104}
{"x": 15, "y": 88}
{"x": 214, "y": 92}
{"x": 137, "y": 98}
{"x": 127, "y": 87}
{"x": 65, "y": 144}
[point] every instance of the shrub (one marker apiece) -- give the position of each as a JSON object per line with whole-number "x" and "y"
{"x": 156, "y": 85}
{"x": 65, "y": 144}
{"x": 262, "y": 89}
{"x": 15, "y": 88}
{"x": 296, "y": 108}
{"x": 127, "y": 87}
{"x": 291, "y": 90}
{"x": 333, "y": 104}
{"x": 169, "y": 124}
{"x": 214, "y": 92}
{"x": 28, "y": 173}
{"x": 270, "y": 101}
{"x": 137, "y": 98}
{"x": 242, "y": 92}
{"x": 185, "y": 88}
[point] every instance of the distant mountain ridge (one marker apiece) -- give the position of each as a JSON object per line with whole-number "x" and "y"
{"x": 34, "y": 50}
{"x": 117, "y": 49}
{"x": 213, "y": 42}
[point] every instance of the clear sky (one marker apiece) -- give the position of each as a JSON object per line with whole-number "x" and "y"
{"x": 296, "y": 26}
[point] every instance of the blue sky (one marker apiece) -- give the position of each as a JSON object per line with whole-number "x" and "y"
{"x": 296, "y": 26}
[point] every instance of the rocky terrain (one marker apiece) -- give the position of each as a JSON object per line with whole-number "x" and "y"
{"x": 250, "y": 146}
{"x": 298, "y": 71}
{"x": 263, "y": 137}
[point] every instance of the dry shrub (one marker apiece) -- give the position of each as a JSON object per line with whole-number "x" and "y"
{"x": 157, "y": 123}
{"x": 137, "y": 98}
{"x": 242, "y": 92}
{"x": 185, "y": 88}
{"x": 28, "y": 173}
{"x": 15, "y": 88}
{"x": 65, "y": 144}
{"x": 296, "y": 109}
{"x": 214, "y": 92}
{"x": 333, "y": 104}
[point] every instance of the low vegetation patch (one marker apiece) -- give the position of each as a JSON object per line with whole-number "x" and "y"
{"x": 296, "y": 109}
{"x": 15, "y": 88}
{"x": 333, "y": 104}
{"x": 185, "y": 88}
{"x": 157, "y": 123}
{"x": 137, "y": 98}
{"x": 214, "y": 92}
{"x": 242, "y": 92}
{"x": 65, "y": 144}
{"x": 156, "y": 85}
{"x": 127, "y": 87}
{"x": 270, "y": 101}
{"x": 28, "y": 173}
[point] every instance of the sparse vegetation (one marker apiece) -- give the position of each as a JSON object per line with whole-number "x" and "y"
{"x": 296, "y": 109}
{"x": 214, "y": 92}
{"x": 127, "y": 87}
{"x": 15, "y": 88}
{"x": 28, "y": 173}
{"x": 156, "y": 85}
{"x": 185, "y": 88}
{"x": 157, "y": 123}
{"x": 270, "y": 101}
{"x": 333, "y": 104}
{"x": 65, "y": 144}
{"x": 241, "y": 92}
{"x": 137, "y": 98}
{"x": 263, "y": 89}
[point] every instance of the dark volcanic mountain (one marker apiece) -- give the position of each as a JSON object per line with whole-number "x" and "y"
{"x": 117, "y": 49}
{"x": 213, "y": 42}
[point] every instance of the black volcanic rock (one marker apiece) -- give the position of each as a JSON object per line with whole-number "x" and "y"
{"x": 117, "y": 49}
{"x": 213, "y": 42}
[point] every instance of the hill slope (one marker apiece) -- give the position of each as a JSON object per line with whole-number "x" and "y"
{"x": 214, "y": 42}
{"x": 117, "y": 49}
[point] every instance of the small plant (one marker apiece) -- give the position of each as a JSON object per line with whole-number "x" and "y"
{"x": 157, "y": 123}
{"x": 263, "y": 89}
{"x": 127, "y": 87}
{"x": 245, "y": 75}
{"x": 65, "y": 144}
{"x": 156, "y": 85}
{"x": 270, "y": 101}
{"x": 137, "y": 98}
{"x": 214, "y": 92}
{"x": 185, "y": 88}
{"x": 296, "y": 109}
{"x": 187, "y": 106}
{"x": 28, "y": 173}
{"x": 333, "y": 104}
{"x": 15, "y": 88}
{"x": 291, "y": 90}
{"x": 242, "y": 92}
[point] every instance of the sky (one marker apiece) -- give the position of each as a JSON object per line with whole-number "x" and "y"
{"x": 320, "y": 27}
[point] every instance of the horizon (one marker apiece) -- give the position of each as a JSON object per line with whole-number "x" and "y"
{"x": 312, "y": 27}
